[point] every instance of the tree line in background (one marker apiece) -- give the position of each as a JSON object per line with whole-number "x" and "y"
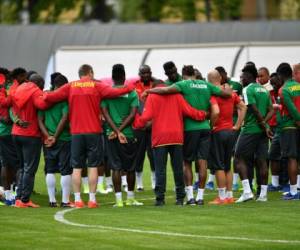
{"x": 74, "y": 11}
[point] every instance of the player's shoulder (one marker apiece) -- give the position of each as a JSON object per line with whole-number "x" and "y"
{"x": 133, "y": 94}
{"x": 230, "y": 81}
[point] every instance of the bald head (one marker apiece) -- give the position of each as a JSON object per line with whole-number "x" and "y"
{"x": 145, "y": 73}
{"x": 145, "y": 67}
{"x": 38, "y": 80}
{"x": 214, "y": 77}
{"x": 296, "y": 72}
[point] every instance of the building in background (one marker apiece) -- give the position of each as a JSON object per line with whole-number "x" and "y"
{"x": 167, "y": 11}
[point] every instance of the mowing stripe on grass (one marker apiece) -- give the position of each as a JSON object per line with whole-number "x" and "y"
{"x": 59, "y": 216}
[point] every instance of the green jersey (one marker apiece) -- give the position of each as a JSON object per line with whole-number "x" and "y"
{"x": 256, "y": 94}
{"x": 5, "y": 129}
{"x": 197, "y": 93}
{"x": 236, "y": 87}
{"x": 290, "y": 100}
{"x": 119, "y": 108}
{"x": 52, "y": 118}
{"x": 178, "y": 79}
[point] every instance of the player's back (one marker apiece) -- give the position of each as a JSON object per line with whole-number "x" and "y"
{"x": 84, "y": 102}
{"x": 167, "y": 118}
{"x": 256, "y": 94}
{"x": 119, "y": 109}
{"x": 226, "y": 106}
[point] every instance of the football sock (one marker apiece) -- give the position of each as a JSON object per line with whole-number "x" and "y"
{"x": 85, "y": 180}
{"x": 200, "y": 194}
{"x": 222, "y": 193}
{"x": 229, "y": 194}
{"x": 298, "y": 181}
{"x": 246, "y": 186}
{"x": 124, "y": 180}
{"x": 65, "y": 182}
{"x": 189, "y": 192}
{"x": 108, "y": 181}
{"x": 293, "y": 189}
{"x": 50, "y": 181}
{"x": 119, "y": 196}
{"x": 235, "y": 178}
{"x": 153, "y": 179}
{"x": 100, "y": 180}
{"x": 130, "y": 195}
{"x": 275, "y": 180}
{"x": 139, "y": 179}
{"x": 92, "y": 197}
{"x": 8, "y": 195}
{"x": 77, "y": 197}
{"x": 211, "y": 178}
{"x": 263, "y": 190}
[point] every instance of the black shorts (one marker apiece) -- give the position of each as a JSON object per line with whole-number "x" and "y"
{"x": 275, "y": 148}
{"x": 252, "y": 146}
{"x": 222, "y": 143}
{"x": 196, "y": 145}
{"x": 122, "y": 156}
{"x": 57, "y": 158}
{"x": 236, "y": 136}
{"x": 289, "y": 141}
{"x": 8, "y": 152}
{"x": 87, "y": 150}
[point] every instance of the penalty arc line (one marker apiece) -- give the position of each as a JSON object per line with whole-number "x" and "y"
{"x": 59, "y": 216}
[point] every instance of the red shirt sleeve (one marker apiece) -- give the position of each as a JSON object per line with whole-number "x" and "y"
{"x": 39, "y": 101}
{"x": 213, "y": 100}
{"x": 188, "y": 110}
{"x": 236, "y": 98}
{"x": 140, "y": 121}
{"x": 107, "y": 91}
{"x": 58, "y": 95}
{"x": 5, "y": 101}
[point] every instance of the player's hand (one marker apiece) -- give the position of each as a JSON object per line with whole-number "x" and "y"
{"x": 50, "y": 141}
{"x": 144, "y": 95}
{"x": 122, "y": 138}
{"x": 236, "y": 128}
{"x": 148, "y": 125}
{"x": 276, "y": 106}
{"x": 112, "y": 135}
{"x": 298, "y": 123}
{"x": 269, "y": 133}
{"x": 22, "y": 124}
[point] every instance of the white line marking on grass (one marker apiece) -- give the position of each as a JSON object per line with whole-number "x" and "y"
{"x": 142, "y": 199}
{"x": 59, "y": 216}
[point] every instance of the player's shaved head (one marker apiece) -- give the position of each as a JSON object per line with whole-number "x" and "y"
{"x": 144, "y": 67}
{"x": 145, "y": 73}
{"x": 296, "y": 72}
{"x": 284, "y": 71}
{"x": 296, "y": 67}
{"x": 188, "y": 70}
{"x": 38, "y": 80}
{"x": 118, "y": 73}
{"x": 214, "y": 77}
{"x": 85, "y": 70}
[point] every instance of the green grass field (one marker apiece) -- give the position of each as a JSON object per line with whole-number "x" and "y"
{"x": 271, "y": 225}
